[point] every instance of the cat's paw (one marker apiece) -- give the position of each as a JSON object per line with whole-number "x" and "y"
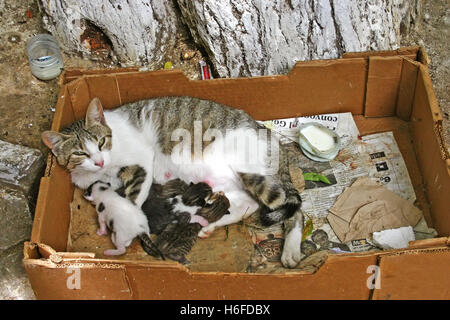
{"x": 101, "y": 232}
{"x": 292, "y": 254}
{"x": 206, "y": 231}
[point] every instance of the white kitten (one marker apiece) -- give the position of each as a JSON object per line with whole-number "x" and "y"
{"x": 121, "y": 216}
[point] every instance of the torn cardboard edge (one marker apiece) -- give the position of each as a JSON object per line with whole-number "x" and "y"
{"x": 416, "y": 53}
{"x": 395, "y": 78}
{"x": 285, "y": 87}
{"x": 401, "y": 75}
{"x": 46, "y": 255}
{"x": 432, "y": 156}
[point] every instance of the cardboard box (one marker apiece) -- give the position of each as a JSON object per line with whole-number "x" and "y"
{"x": 388, "y": 90}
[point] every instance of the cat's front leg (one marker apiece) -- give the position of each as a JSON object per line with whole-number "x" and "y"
{"x": 293, "y": 228}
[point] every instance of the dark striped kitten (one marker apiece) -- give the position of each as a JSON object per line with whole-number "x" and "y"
{"x": 179, "y": 236}
{"x": 165, "y": 216}
{"x": 176, "y": 234}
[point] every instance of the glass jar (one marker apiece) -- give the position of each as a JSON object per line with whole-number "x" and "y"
{"x": 44, "y": 56}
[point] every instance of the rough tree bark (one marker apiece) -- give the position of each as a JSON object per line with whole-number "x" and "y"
{"x": 240, "y": 37}
{"x": 256, "y": 37}
{"x": 139, "y": 32}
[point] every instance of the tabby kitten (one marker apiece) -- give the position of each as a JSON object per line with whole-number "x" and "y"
{"x": 148, "y": 133}
{"x": 179, "y": 236}
{"x": 162, "y": 209}
{"x": 170, "y": 208}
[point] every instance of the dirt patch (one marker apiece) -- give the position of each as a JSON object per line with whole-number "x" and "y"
{"x": 26, "y": 103}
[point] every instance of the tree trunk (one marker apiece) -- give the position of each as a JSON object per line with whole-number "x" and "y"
{"x": 256, "y": 37}
{"x": 136, "y": 32}
{"x": 240, "y": 37}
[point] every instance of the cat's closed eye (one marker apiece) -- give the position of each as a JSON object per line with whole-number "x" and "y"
{"x": 101, "y": 143}
{"x": 80, "y": 153}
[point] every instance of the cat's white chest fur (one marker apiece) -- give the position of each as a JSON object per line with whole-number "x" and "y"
{"x": 129, "y": 145}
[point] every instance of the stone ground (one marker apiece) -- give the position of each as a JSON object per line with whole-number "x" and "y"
{"x": 26, "y": 104}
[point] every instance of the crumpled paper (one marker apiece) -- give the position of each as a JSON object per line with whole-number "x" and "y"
{"x": 366, "y": 207}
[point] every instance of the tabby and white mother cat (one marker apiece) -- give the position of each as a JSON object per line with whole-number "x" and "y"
{"x": 146, "y": 133}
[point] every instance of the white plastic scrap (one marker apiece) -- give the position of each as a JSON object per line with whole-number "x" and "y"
{"x": 394, "y": 238}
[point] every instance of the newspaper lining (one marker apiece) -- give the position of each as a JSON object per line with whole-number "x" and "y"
{"x": 376, "y": 156}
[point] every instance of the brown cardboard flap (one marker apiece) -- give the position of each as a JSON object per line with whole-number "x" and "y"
{"x": 409, "y": 52}
{"x": 78, "y": 281}
{"x": 416, "y": 274}
{"x": 102, "y": 279}
{"x": 76, "y": 255}
{"x": 105, "y": 88}
{"x": 382, "y": 86}
{"x": 406, "y": 89}
{"x": 52, "y": 216}
{"x": 432, "y": 156}
{"x": 428, "y": 243}
{"x": 71, "y": 74}
{"x": 30, "y": 251}
{"x": 144, "y": 85}
{"x": 341, "y": 82}
{"x": 63, "y": 111}
{"x": 79, "y": 96}
{"x": 422, "y": 56}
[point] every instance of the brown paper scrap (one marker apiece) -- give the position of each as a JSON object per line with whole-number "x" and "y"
{"x": 366, "y": 207}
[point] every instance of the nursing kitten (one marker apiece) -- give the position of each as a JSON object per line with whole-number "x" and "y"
{"x": 195, "y": 194}
{"x": 170, "y": 208}
{"x": 148, "y": 133}
{"x": 123, "y": 218}
{"x": 216, "y": 205}
{"x": 178, "y": 237}
{"x": 165, "y": 206}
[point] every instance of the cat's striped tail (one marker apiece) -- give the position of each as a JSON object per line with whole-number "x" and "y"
{"x": 149, "y": 246}
{"x": 279, "y": 198}
{"x": 269, "y": 216}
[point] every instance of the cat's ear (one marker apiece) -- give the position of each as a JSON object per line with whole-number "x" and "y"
{"x": 94, "y": 113}
{"x": 52, "y": 139}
